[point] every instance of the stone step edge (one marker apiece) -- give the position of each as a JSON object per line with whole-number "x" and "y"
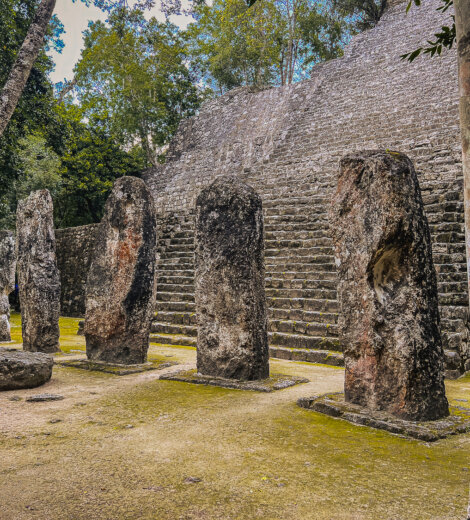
{"x": 324, "y": 357}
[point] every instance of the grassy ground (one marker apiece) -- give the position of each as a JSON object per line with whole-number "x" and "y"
{"x": 121, "y": 448}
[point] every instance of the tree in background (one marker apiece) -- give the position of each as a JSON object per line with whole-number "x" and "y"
{"x": 35, "y": 108}
{"x": 365, "y": 13}
{"x": 133, "y": 76}
{"x": 272, "y": 42}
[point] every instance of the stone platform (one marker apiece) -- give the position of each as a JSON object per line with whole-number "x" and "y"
{"x": 116, "y": 369}
{"x": 275, "y": 382}
{"x": 334, "y": 405}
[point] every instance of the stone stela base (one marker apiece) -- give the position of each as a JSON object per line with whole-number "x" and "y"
{"x": 275, "y": 382}
{"x": 429, "y": 431}
{"x": 117, "y": 370}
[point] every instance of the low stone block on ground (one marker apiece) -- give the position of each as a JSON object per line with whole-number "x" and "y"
{"x": 19, "y": 369}
{"x": 334, "y": 405}
{"x": 114, "y": 368}
{"x": 269, "y": 384}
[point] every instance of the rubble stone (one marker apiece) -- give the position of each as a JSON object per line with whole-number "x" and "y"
{"x": 19, "y": 369}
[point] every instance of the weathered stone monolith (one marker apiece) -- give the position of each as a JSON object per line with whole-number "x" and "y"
{"x": 387, "y": 288}
{"x": 121, "y": 284}
{"x": 230, "y": 297}
{"x": 38, "y": 276}
{"x": 7, "y": 281}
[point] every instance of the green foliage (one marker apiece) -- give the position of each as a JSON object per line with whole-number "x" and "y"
{"x": 271, "y": 42}
{"x": 34, "y": 111}
{"x": 91, "y": 164}
{"x": 132, "y": 75}
{"x": 444, "y": 39}
{"x": 39, "y": 166}
{"x": 365, "y": 13}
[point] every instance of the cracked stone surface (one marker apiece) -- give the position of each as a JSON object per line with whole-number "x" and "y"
{"x": 38, "y": 276}
{"x": 229, "y": 283}
{"x": 121, "y": 285}
{"x": 387, "y": 288}
{"x": 7, "y": 281}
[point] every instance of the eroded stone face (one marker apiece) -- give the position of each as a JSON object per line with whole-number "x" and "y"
{"x": 387, "y": 288}
{"x": 229, "y": 287}
{"x": 121, "y": 285}
{"x": 38, "y": 276}
{"x": 7, "y": 281}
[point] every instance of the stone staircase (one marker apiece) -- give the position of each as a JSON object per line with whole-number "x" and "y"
{"x": 300, "y": 283}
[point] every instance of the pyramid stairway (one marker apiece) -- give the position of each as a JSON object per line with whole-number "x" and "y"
{"x": 300, "y": 282}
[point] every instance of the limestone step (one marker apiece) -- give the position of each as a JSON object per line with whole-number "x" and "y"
{"x": 175, "y": 288}
{"x": 302, "y": 341}
{"x": 279, "y": 227}
{"x": 173, "y": 339}
{"x": 310, "y": 252}
{"x": 304, "y": 303}
{"x": 171, "y": 328}
{"x": 302, "y": 275}
{"x": 174, "y": 297}
{"x": 274, "y": 234}
{"x": 170, "y": 306}
{"x": 297, "y": 242}
{"x": 168, "y": 252}
{"x": 176, "y": 248}
{"x": 320, "y": 294}
{"x": 311, "y": 328}
{"x": 325, "y": 357}
{"x": 303, "y": 315}
{"x": 176, "y": 272}
{"x": 299, "y": 283}
{"x": 272, "y": 268}
{"x": 175, "y": 256}
{"x": 178, "y": 318}
{"x": 319, "y": 218}
{"x": 174, "y": 241}
{"x": 176, "y": 266}
{"x": 175, "y": 280}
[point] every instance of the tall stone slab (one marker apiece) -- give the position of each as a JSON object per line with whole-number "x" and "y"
{"x": 229, "y": 284}
{"x": 38, "y": 276}
{"x": 121, "y": 284}
{"x": 7, "y": 281}
{"x": 387, "y": 288}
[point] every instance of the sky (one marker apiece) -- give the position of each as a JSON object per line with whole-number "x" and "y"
{"x": 75, "y": 17}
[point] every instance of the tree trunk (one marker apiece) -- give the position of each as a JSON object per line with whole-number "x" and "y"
{"x": 25, "y": 59}
{"x": 462, "y": 24}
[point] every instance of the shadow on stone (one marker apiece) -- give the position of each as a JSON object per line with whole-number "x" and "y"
{"x": 275, "y": 382}
{"x": 114, "y": 368}
{"x": 334, "y": 405}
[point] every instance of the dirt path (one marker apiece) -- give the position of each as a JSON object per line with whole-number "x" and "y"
{"x": 134, "y": 447}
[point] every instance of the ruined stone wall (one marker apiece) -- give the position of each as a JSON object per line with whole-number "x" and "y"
{"x": 286, "y": 142}
{"x": 74, "y": 250}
